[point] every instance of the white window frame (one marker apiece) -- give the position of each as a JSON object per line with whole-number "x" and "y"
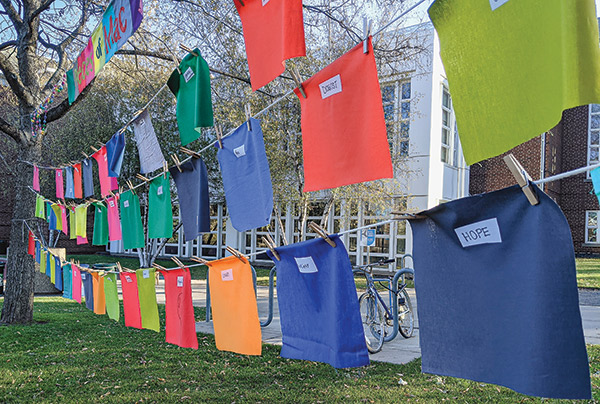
{"x": 451, "y": 146}
{"x": 397, "y": 139}
{"x": 591, "y": 146}
{"x": 588, "y": 227}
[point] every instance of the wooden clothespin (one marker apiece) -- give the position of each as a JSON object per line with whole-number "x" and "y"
{"x": 165, "y": 169}
{"x": 119, "y": 267}
{"x": 141, "y": 177}
{"x": 219, "y": 133}
{"x": 189, "y": 152}
{"x": 523, "y": 179}
{"x": 271, "y": 246}
{"x": 177, "y": 162}
{"x": 130, "y": 185}
{"x": 237, "y": 254}
{"x": 86, "y": 156}
{"x": 188, "y": 50}
{"x": 297, "y": 79}
{"x": 199, "y": 260}
{"x": 120, "y": 189}
{"x": 248, "y": 112}
{"x": 367, "y": 24}
{"x": 159, "y": 267}
{"x": 406, "y": 216}
{"x": 94, "y": 149}
{"x": 178, "y": 262}
{"x": 319, "y": 230}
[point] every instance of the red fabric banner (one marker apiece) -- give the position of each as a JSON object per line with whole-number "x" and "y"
{"x": 344, "y": 137}
{"x": 31, "y": 245}
{"x": 273, "y": 32}
{"x": 131, "y": 300}
{"x": 107, "y": 183}
{"x": 180, "y": 324}
{"x": 77, "y": 181}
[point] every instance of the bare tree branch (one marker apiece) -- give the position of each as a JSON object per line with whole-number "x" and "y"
{"x": 61, "y": 109}
{"x": 13, "y": 80}
{"x": 14, "y": 16}
{"x": 11, "y": 131}
{"x": 7, "y": 44}
{"x": 45, "y": 5}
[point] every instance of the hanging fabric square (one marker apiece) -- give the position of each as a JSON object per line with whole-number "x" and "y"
{"x": 67, "y": 281}
{"x": 131, "y": 300}
{"x": 344, "y": 137}
{"x": 180, "y": 324}
{"x": 36, "y": 178}
{"x": 55, "y": 217}
{"x": 31, "y": 244}
{"x": 81, "y": 240}
{"x": 114, "y": 223}
{"x": 318, "y": 306}
{"x": 107, "y": 183}
{"x": 160, "y": 212}
{"x": 88, "y": 178}
{"x": 88, "y": 289}
{"x": 43, "y": 261}
{"x": 233, "y": 305}
{"x": 100, "y": 224}
{"x": 246, "y": 177}
{"x": 490, "y": 270}
{"x": 77, "y": 283}
{"x": 111, "y": 296}
{"x": 512, "y": 70}
{"x": 115, "y": 150}
{"x": 49, "y": 212}
{"x": 191, "y": 86}
{"x": 99, "y": 299}
{"x": 72, "y": 223}
{"x": 70, "y": 187}
{"x": 192, "y": 192}
{"x": 38, "y": 252}
{"x": 51, "y": 268}
{"x": 40, "y": 207}
{"x": 147, "y": 295}
{"x": 273, "y": 32}
{"x": 60, "y": 190}
{"x": 58, "y": 275}
{"x": 151, "y": 156}
{"x": 131, "y": 221}
{"x": 63, "y": 219}
{"x": 77, "y": 183}
{"x": 81, "y": 221}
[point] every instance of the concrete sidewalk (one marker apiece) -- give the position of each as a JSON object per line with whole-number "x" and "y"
{"x": 399, "y": 351}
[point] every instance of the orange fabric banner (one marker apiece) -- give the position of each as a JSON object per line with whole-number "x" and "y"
{"x": 273, "y": 32}
{"x": 99, "y": 300}
{"x": 344, "y": 137}
{"x": 234, "y": 309}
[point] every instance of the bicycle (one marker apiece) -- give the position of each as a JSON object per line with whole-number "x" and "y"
{"x": 377, "y": 318}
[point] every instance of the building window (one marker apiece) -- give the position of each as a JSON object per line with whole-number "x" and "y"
{"x": 591, "y": 227}
{"x": 396, "y": 108}
{"x": 594, "y": 135}
{"x": 449, "y": 149}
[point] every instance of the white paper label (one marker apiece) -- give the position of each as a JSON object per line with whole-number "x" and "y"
{"x": 331, "y": 86}
{"x": 83, "y": 277}
{"x": 497, "y": 3}
{"x": 227, "y": 275}
{"x": 264, "y": 2}
{"x": 240, "y": 151}
{"x": 189, "y": 73}
{"x": 105, "y": 157}
{"x": 99, "y": 211}
{"x": 111, "y": 203}
{"x": 141, "y": 122}
{"x": 128, "y": 279}
{"x": 306, "y": 265}
{"x": 484, "y": 232}
{"x": 159, "y": 190}
{"x": 146, "y": 273}
{"x": 126, "y": 204}
{"x": 180, "y": 281}
{"x": 59, "y": 173}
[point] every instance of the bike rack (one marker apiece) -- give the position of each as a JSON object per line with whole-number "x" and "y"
{"x": 397, "y": 276}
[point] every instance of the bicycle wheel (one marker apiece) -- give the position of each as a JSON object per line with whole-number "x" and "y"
{"x": 406, "y": 318}
{"x": 373, "y": 319}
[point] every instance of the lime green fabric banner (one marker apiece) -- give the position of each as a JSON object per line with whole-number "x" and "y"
{"x": 52, "y": 270}
{"x": 111, "y": 296}
{"x": 40, "y": 207}
{"x": 514, "y": 69}
{"x": 160, "y": 212}
{"x": 147, "y": 295}
{"x": 191, "y": 85}
{"x": 81, "y": 220}
{"x": 43, "y": 261}
{"x": 100, "y": 224}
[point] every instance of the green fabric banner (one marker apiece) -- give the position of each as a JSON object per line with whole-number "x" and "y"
{"x": 40, "y": 207}
{"x": 147, "y": 295}
{"x": 513, "y": 69}
{"x": 100, "y": 224}
{"x": 111, "y": 296}
{"x": 131, "y": 221}
{"x": 160, "y": 212}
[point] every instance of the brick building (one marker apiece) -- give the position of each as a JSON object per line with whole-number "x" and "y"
{"x": 573, "y": 143}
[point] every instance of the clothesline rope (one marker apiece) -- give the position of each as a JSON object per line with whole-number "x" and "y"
{"x": 567, "y": 174}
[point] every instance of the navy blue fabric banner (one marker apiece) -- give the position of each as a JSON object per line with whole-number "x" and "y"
{"x": 192, "y": 191}
{"x": 48, "y": 270}
{"x": 38, "y": 251}
{"x": 246, "y": 177}
{"x": 115, "y": 150}
{"x": 88, "y": 289}
{"x": 318, "y": 304}
{"x": 497, "y": 295}
{"x": 87, "y": 176}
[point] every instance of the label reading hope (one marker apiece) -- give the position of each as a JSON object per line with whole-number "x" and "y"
{"x": 497, "y": 3}
{"x": 240, "y": 151}
{"x": 331, "y": 86}
{"x": 484, "y": 232}
{"x": 227, "y": 275}
{"x": 189, "y": 73}
{"x": 306, "y": 265}
{"x": 180, "y": 281}
{"x": 146, "y": 273}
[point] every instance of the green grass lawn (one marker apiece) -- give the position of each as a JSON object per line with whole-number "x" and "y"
{"x": 588, "y": 272}
{"x": 71, "y": 355}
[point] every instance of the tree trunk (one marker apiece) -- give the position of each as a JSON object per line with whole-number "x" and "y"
{"x": 20, "y": 271}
